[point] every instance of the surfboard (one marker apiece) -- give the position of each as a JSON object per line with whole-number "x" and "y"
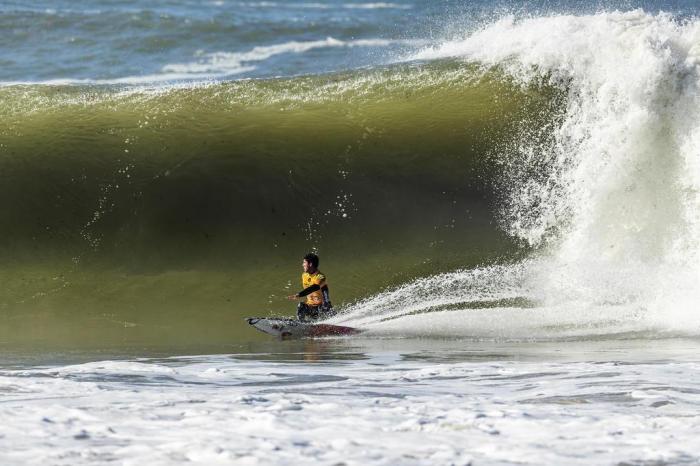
{"x": 292, "y": 328}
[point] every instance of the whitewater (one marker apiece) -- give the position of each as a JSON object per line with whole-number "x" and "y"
{"x": 584, "y": 351}
{"x": 612, "y": 206}
{"x": 363, "y": 402}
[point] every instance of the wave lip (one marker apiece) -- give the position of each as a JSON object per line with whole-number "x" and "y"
{"x": 633, "y": 81}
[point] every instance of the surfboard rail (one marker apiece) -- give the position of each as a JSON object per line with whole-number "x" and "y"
{"x": 283, "y": 327}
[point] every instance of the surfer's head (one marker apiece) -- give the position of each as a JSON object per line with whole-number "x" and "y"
{"x": 310, "y": 262}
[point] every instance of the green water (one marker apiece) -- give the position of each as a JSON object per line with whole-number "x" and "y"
{"x": 165, "y": 217}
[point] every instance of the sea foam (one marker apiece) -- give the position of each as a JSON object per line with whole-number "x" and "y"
{"x": 608, "y": 203}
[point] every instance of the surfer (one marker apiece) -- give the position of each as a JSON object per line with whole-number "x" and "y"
{"x": 318, "y": 302}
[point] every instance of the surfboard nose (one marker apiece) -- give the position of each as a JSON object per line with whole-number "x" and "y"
{"x": 252, "y": 320}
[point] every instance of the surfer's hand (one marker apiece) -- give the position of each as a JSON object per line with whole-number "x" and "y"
{"x": 292, "y": 297}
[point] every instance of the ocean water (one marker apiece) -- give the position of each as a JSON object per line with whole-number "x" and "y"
{"x": 504, "y": 196}
{"x": 362, "y": 401}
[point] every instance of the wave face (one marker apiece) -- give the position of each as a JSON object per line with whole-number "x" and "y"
{"x": 610, "y": 201}
{"x": 146, "y": 214}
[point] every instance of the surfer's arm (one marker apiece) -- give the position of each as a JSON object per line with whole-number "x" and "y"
{"x": 319, "y": 285}
{"x": 307, "y": 291}
{"x": 310, "y": 289}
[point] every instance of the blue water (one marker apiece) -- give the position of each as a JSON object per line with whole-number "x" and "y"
{"x": 135, "y": 42}
{"x": 110, "y": 40}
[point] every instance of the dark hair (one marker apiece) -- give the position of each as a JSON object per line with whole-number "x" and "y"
{"x": 312, "y": 259}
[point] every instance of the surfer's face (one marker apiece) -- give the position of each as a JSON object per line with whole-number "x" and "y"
{"x": 307, "y": 266}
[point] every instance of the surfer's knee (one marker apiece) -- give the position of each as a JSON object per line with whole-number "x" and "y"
{"x": 303, "y": 311}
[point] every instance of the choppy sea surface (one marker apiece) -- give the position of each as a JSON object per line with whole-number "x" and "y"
{"x": 504, "y": 197}
{"x": 363, "y": 402}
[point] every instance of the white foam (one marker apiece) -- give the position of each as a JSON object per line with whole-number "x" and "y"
{"x": 228, "y": 63}
{"x": 386, "y": 408}
{"x": 615, "y": 210}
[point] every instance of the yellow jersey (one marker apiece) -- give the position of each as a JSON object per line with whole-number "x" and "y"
{"x": 307, "y": 279}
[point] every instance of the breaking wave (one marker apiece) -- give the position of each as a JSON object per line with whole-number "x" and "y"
{"x": 608, "y": 199}
{"x": 547, "y": 165}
